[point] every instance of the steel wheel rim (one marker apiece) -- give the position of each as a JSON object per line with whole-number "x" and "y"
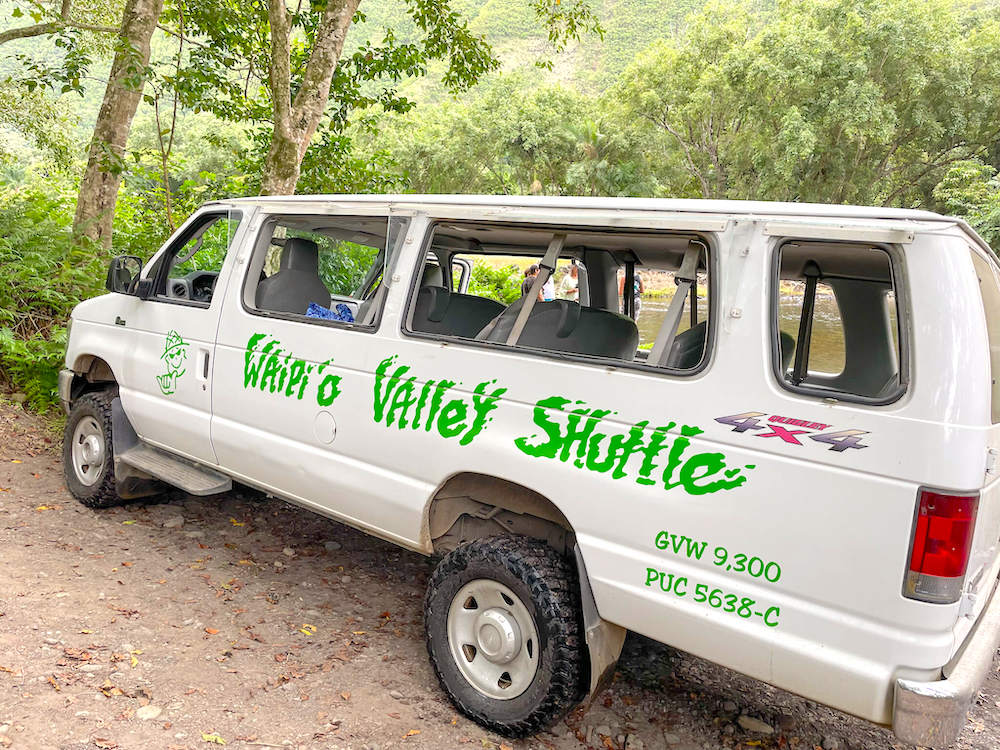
{"x": 88, "y": 451}
{"x": 493, "y": 639}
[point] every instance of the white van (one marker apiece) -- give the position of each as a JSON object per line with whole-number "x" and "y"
{"x": 785, "y": 463}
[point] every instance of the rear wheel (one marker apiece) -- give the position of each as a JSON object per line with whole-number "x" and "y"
{"x": 503, "y": 632}
{"x": 88, "y": 460}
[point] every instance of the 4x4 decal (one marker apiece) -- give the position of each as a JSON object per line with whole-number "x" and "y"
{"x": 750, "y": 421}
{"x": 174, "y": 354}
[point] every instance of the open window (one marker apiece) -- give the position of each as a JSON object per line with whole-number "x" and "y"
{"x": 836, "y": 322}
{"x": 189, "y": 270}
{"x": 559, "y": 291}
{"x": 322, "y": 268}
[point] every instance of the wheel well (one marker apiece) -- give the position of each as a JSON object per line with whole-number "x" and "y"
{"x": 471, "y": 506}
{"x": 90, "y": 373}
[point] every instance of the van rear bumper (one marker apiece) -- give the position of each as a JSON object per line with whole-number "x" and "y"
{"x": 932, "y": 714}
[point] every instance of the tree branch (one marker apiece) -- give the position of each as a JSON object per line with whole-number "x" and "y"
{"x": 50, "y": 27}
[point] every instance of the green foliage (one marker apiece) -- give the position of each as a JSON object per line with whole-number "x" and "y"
{"x": 500, "y": 284}
{"x": 508, "y": 137}
{"x": 843, "y": 101}
{"x": 972, "y": 189}
{"x": 43, "y": 275}
{"x": 344, "y": 265}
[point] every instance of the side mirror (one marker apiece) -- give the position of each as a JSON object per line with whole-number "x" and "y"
{"x": 123, "y": 273}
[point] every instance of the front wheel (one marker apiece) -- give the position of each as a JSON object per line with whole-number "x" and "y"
{"x": 503, "y": 631}
{"x": 88, "y": 461}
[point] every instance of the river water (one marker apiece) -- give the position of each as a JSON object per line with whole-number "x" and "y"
{"x": 826, "y": 350}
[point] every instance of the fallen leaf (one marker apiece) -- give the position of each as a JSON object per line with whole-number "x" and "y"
{"x": 104, "y": 744}
{"x": 128, "y": 523}
{"x": 345, "y": 695}
{"x": 234, "y": 522}
{"x": 8, "y": 670}
{"x": 308, "y": 629}
{"x": 86, "y": 631}
{"x": 109, "y": 689}
{"x": 213, "y": 738}
{"x": 54, "y": 684}
{"x": 43, "y": 507}
{"x": 211, "y": 631}
{"x": 411, "y": 733}
{"x": 358, "y": 632}
{"x": 16, "y": 461}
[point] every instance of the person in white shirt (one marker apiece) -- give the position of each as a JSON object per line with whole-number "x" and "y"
{"x": 569, "y": 284}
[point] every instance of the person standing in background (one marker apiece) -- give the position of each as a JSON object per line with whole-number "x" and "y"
{"x": 637, "y": 289}
{"x": 529, "y": 277}
{"x": 548, "y": 290}
{"x": 569, "y": 284}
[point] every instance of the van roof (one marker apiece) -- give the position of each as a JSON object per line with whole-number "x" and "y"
{"x": 686, "y": 205}
{"x": 804, "y": 211}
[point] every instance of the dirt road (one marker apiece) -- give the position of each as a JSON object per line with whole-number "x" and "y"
{"x": 248, "y": 622}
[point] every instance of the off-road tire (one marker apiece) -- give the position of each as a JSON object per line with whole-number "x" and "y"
{"x": 547, "y": 585}
{"x": 104, "y": 493}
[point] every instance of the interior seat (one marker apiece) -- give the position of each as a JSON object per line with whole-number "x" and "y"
{"x": 297, "y": 282}
{"x": 439, "y": 310}
{"x": 566, "y": 326}
{"x": 688, "y": 347}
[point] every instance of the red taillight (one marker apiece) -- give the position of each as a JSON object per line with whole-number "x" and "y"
{"x": 942, "y": 542}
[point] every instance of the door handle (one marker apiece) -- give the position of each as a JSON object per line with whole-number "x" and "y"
{"x": 203, "y": 355}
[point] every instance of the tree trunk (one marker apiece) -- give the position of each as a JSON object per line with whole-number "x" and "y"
{"x": 296, "y": 119}
{"x": 95, "y": 205}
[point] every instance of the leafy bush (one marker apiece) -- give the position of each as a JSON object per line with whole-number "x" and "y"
{"x": 500, "y": 284}
{"x": 42, "y": 277}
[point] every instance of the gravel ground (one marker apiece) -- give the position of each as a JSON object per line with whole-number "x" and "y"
{"x": 237, "y": 620}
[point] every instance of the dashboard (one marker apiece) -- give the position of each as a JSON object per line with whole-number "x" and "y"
{"x": 196, "y": 286}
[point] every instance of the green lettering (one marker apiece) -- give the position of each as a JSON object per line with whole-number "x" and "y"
{"x": 711, "y": 464}
{"x": 649, "y": 453}
{"x": 424, "y": 391}
{"x": 328, "y": 390}
{"x": 452, "y": 420}
{"x": 547, "y": 449}
{"x": 482, "y": 403}
{"x": 439, "y": 391}
{"x": 674, "y": 457}
{"x": 402, "y": 400}
{"x": 382, "y": 398}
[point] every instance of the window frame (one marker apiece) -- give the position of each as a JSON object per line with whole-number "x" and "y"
{"x": 161, "y": 272}
{"x": 263, "y": 241}
{"x": 708, "y": 238}
{"x": 897, "y": 269}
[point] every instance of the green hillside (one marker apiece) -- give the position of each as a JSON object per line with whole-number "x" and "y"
{"x": 511, "y": 28}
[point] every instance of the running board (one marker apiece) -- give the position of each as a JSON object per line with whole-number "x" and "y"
{"x": 185, "y": 475}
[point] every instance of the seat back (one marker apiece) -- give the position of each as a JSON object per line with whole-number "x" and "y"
{"x": 688, "y": 348}
{"x": 297, "y": 282}
{"x": 565, "y": 326}
{"x": 439, "y": 310}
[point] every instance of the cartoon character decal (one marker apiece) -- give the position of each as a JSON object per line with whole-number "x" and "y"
{"x": 174, "y": 355}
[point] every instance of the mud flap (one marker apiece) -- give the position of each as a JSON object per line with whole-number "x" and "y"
{"x": 131, "y": 482}
{"x": 604, "y": 639}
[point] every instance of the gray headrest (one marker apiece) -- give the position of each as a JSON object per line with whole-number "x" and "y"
{"x": 438, "y": 305}
{"x": 432, "y": 275}
{"x": 300, "y": 254}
